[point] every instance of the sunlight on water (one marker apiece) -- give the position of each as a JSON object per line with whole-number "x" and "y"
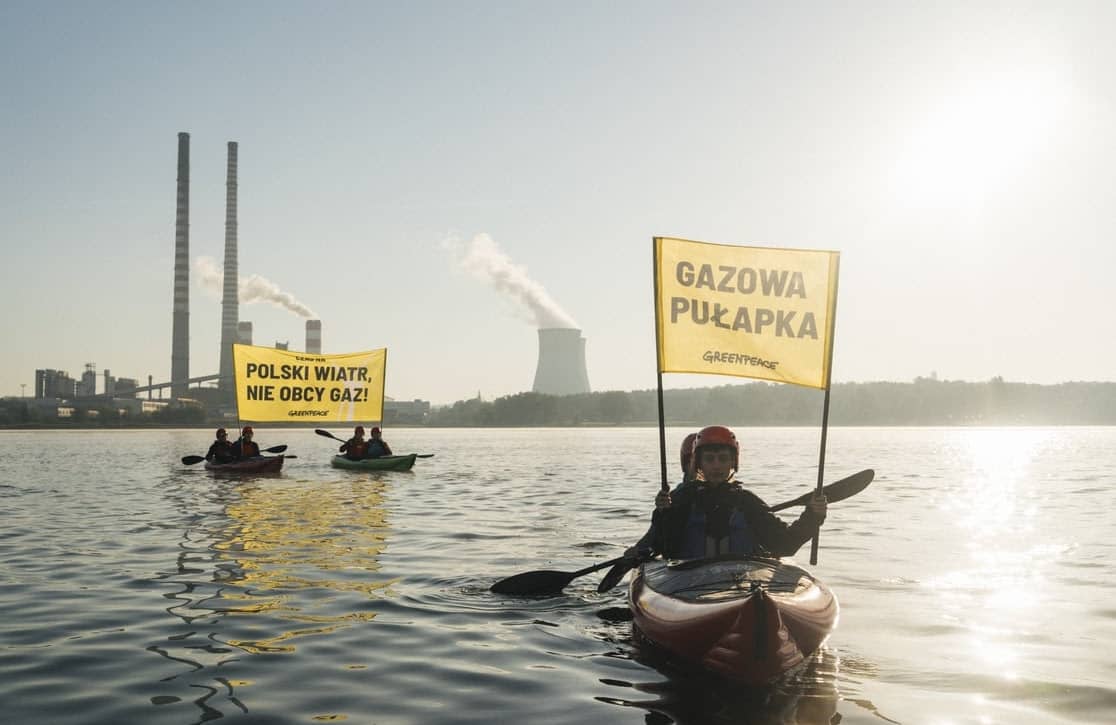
{"x": 1000, "y": 576}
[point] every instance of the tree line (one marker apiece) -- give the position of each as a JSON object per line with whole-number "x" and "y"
{"x": 925, "y": 401}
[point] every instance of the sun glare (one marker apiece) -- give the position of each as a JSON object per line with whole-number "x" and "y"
{"x": 976, "y": 137}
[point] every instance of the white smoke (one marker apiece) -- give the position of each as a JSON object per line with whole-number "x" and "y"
{"x": 253, "y": 288}
{"x": 484, "y": 260}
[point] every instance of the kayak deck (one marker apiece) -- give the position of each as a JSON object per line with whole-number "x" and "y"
{"x": 255, "y": 464}
{"x": 383, "y": 463}
{"x": 749, "y": 619}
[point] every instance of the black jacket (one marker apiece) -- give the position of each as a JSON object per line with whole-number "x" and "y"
{"x": 769, "y": 535}
{"x": 220, "y": 452}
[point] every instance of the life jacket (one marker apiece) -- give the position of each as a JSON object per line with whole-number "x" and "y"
{"x": 735, "y": 537}
{"x": 355, "y": 450}
{"x": 376, "y": 448}
{"x": 246, "y": 449}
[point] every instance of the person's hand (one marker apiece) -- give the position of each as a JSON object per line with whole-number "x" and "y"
{"x": 634, "y": 554}
{"x": 818, "y": 505}
{"x": 663, "y": 500}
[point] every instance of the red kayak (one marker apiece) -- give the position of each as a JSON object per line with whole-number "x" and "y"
{"x": 255, "y": 464}
{"x": 748, "y": 619}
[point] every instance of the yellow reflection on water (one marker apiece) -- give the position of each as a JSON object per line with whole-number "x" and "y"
{"x": 297, "y": 550}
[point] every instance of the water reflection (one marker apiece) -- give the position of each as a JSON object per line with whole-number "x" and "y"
{"x": 999, "y": 575}
{"x": 263, "y": 563}
{"x": 808, "y": 695}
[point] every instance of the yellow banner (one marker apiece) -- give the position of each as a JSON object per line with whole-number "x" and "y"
{"x": 753, "y": 312}
{"x": 276, "y": 385}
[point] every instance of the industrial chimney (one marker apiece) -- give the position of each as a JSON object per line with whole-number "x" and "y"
{"x": 244, "y": 333}
{"x": 561, "y": 369}
{"x": 314, "y": 337}
{"x": 180, "y": 333}
{"x": 230, "y": 301}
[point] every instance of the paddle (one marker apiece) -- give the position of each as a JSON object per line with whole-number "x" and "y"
{"x": 834, "y": 492}
{"x": 191, "y": 460}
{"x": 545, "y": 581}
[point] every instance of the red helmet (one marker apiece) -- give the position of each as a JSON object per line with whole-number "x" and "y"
{"x": 718, "y": 435}
{"x": 247, "y": 430}
{"x": 376, "y": 429}
{"x": 359, "y": 430}
{"x": 687, "y": 453}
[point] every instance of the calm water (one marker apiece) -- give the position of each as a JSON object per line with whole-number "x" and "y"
{"x": 976, "y": 579}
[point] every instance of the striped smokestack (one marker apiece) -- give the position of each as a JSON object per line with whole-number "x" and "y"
{"x": 561, "y": 368}
{"x": 230, "y": 302}
{"x": 314, "y": 336}
{"x": 180, "y": 335}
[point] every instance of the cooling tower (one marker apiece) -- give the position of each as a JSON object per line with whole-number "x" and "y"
{"x": 180, "y": 334}
{"x": 561, "y": 368}
{"x": 230, "y": 302}
{"x": 314, "y": 337}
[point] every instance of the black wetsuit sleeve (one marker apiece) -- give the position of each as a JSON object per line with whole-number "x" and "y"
{"x": 772, "y": 533}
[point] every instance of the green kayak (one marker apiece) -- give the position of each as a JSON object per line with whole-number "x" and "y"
{"x": 383, "y": 463}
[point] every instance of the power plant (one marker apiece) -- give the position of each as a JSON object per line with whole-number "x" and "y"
{"x": 561, "y": 368}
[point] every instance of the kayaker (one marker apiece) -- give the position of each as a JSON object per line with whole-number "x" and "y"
{"x": 245, "y": 447}
{"x": 715, "y": 515}
{"x": 377, "y": 446}
{"x": 642, "y": 548}
{"x": 356, "y": 447}
{"x": 221, "y": 451}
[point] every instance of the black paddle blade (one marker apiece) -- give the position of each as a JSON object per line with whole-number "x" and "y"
{"x": 276, "y": 449}
{"x": 327, "y": 434}
{"x": 834, "y": 492}
{"x": 191, "y": 460}
{"x": 615, "y": 574}
{"x": 545, "y": 581}
{"x": 533, "y": 582}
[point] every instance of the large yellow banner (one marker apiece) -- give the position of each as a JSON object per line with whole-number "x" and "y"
{"x": 754, "y": 312}
{"x": 276, "y": 385}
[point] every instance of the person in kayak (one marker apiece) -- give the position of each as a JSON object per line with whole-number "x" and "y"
{"x": 245, "y": 447}
{"x": 377, "y": 446}
{"x": 356, "y": 447}
{"x": 642, "y": 548}
{"x": 714, "y": 514}
{"x": 221, "y": 451}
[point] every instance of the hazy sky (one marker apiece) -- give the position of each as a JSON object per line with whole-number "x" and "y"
{"x": 960, "y": 156}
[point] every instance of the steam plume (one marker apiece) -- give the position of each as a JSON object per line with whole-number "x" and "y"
{"x": 485, "y": 261}
{"x": 253, "y": 288}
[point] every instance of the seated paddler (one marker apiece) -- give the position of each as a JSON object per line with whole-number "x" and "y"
{"x": 356, "y": 447}
{"x": 715, "y": 515}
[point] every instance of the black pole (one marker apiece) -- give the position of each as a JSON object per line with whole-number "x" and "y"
{"x": 825, "y": 404}
{"x": 659, "y": 364}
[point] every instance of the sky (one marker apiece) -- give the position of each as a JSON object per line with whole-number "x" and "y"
{"x": 437, "y": 178}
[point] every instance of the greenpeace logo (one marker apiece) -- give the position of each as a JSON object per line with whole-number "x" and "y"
{"x": 305, "y": 413}
{"x": 737, "y": 358}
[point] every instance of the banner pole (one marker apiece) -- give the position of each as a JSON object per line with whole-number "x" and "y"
{"x": 659, "y": 364}
{"x": 825, "y": 405}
